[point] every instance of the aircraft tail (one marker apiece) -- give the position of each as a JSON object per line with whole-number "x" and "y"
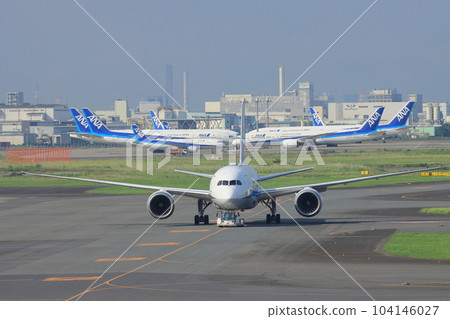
{"x": 139, "y": 136}
{"x": 157, "y": 125}
{"x": 95, "y": 124}
{"x": 372, "y": 122}
{"x": 317, "y": 121}
{"x": 166, "y": 126}
{"x": 80, "y": 121}
{"x": 401, "y": 117}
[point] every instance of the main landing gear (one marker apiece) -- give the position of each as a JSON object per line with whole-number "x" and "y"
{"x": 273, "y": 216}
{"x": 201, "y": 218}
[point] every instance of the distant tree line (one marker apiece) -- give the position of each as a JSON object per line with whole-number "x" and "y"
{"x": 444, "y": 130}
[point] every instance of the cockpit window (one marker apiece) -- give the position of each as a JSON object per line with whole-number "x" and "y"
{"x": 231, "y": 183}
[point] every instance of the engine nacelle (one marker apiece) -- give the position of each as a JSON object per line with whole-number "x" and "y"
{"x": 160, "y": 204}
{"x": 308, "y": 202}
{"x": 290, "y": 143}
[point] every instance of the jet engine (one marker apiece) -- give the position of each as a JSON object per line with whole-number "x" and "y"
{"x": 160, "y": 204}
{"x": 290, "y": 143}
{"x": 308, "y": 202}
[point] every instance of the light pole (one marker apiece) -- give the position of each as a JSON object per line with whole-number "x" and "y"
{"x": 267, "y": 111}
{"x": 257, "y": 100}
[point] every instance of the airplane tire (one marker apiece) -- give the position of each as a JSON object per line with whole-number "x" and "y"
{"x": 206, "y": 219}
{"x": 278, "y": 218}
{"x": 196, "y": 220}
{"x": 268, "y": 218}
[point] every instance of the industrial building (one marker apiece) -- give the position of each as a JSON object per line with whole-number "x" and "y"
{"x": 288, "y": 109}
{"x": 22, "y": 123}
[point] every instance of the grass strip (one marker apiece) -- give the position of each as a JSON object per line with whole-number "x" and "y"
{"x": 419, "y": 245}
{"x": 436, "y": 210}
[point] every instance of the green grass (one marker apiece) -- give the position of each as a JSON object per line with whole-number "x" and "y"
{"x": 419, "y": 245}
{"x": 436, "y": 210}
{"x": 339, "y": 164}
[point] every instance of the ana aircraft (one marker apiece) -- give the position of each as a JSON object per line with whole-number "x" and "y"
{"x": 328, "y": 135}
{"x": 237, "y": 187}
{"x": 190, "y": 145}
{"x": 398, "y": 124}
{"x": 97, "y": 131}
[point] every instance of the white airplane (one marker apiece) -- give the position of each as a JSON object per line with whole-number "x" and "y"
{"x": 190, "y": 145}
{"x": 397, "y": 125}
{"x": 328, "y": 135}
{"x": 235, "y": 188}
{"x": 92, "y": 128}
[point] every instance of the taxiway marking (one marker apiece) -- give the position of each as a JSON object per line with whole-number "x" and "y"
{"x": 159, "y": 244}
{"x": 70, "y": 278}
{"x": 122, "y": 259}
{"x": 190, "y": 231}
{"x": 144, "y": 265}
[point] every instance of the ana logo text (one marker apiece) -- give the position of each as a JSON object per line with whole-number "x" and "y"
{"x": 373, "y": 119}
{"x": 82, "y": 120}
{"x": 317, "y": 118}
{"x": 157, "y": 121}
{"x": 95, "y": 121}
{"x": 403, "y": 112}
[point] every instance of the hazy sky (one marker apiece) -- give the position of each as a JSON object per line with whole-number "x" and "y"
{"x": 229, "y": 47}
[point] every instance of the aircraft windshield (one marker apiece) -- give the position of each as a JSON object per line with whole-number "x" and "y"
{"x": 232, "y": 183}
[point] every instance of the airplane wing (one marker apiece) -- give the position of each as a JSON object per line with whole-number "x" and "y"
{"x": 264, "y": 194}
{"x": 194, "y": 173}
{"x": 314, "y": 137}
{"x": 194, "y": 193}
{"x": 265, "y": 177}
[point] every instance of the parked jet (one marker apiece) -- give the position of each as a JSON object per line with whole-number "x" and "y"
{"x": 396, "y": 126}
{"x": 99, "y": 128}
{"x": 328, "y": 135}
{"x": 99, "y": 132}
{"x": 190, "y": 145}
{"x": 237, "y": 187}
{"x": 164, "y": 129}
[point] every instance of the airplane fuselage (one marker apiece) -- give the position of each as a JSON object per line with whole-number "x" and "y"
{"x": 234, "y": 187}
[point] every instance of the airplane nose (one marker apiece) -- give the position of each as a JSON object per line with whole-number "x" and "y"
{"x": 228, "y": 198}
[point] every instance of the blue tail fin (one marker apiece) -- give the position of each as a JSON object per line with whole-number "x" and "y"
{"x": 317, "y": 121}
{"x": 166, "y": 126}
{"x": 80, "y": 121}
{"x": 156, "y": 122}
{"x": 139, "y": 136}
{"x": 372, "y": 122}
{"x": 95, "y": 124}
{"x": 402, "y": 116}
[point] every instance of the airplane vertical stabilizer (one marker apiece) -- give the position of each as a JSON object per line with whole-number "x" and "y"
{"x": 157, "y": 125}
{"x": 317, "y": 121}
{"x": 372, "y": 122}
{"x": 80, "y": 121}
{"x": 401, "y": 117}
{"x": 95, "y": 124}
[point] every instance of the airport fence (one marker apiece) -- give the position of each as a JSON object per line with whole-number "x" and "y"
{"x": 31, "y": 155}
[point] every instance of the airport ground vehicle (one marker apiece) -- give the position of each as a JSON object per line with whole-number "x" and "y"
{"x": 229, "y": 219}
